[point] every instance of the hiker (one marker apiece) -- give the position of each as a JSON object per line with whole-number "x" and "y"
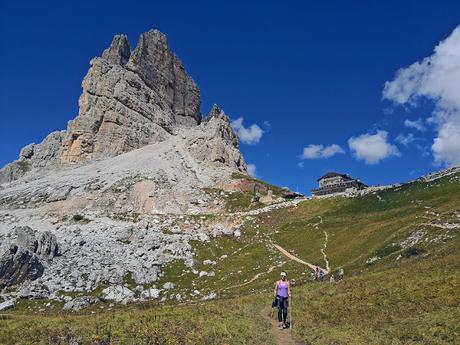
{"x": 282, "y": 293}
{"x": 341, "y": 273}
{"x": 332, "y": 279}
{"x": 317, "y": 274}
{"x": 321, "y": 275}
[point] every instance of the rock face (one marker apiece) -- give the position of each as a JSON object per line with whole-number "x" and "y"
{"x": 24, "y": 260}
{"x": 131, "y": 99}
{"x": 217, "y": 142}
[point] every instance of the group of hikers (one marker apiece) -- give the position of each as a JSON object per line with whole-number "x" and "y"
{"x": 319, "y": 274}
{"x": 282, "y": 293}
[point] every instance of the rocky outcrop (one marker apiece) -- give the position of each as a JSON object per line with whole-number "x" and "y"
{"x": 79, "y": 303}
{"x": 117, "y": 293}
{"x": 131, "y": 99}
{"x": 24, "y": 259}
{"x": 8, "y": 304}
{"x": 216, "y": 141}
{"x": 34, "y": 156}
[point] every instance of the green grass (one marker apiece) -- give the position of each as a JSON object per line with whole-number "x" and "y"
{"x": 219, "y": 322}
{"x": 238, "y": 201}
{"x": 415, "y": 302}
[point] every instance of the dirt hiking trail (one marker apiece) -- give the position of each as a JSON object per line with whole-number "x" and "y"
{"x": 280, "y": 336}
{"x": 295, "y": 258}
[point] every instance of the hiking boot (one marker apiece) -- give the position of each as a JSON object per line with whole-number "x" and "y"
{"x": 285, "y": 326}
{"x": 281, "y": 325}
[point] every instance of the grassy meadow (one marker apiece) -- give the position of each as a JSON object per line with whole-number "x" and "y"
{"x": 398, "y": 248}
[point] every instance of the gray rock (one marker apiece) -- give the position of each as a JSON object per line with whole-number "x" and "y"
{"x": 27, "y": 152}
{"x": 117, "y": 293}
{"x": 58, "y": 194}
{"x": 151, "y": 293}
{"x": 47, "y": 246}
{"x": 79, "y": 303}
{"x": 8, "y": 304}
{"x": 215, "y": 141}
{"x": 119, "y": 51}
{"x": 168, "y": 286}
{"x": 24, "y": 259}
{"x": 212, "y": 295}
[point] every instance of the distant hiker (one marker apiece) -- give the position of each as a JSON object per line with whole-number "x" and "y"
{"x": 341, "y": 273}
{"x": 332, "y": 279}
{"x": 317, "y": 274}
{"x": 282, "y": 293}
{"x": 255, "y": 196}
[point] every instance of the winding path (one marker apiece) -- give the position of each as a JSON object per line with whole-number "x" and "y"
{"x": 311, "y": 266}
{"x": 323, "y": 251}
{"x": 270, "y": 269}
{"x": 295, "y": 258}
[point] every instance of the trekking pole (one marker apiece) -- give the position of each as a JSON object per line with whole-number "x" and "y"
{"x": 290, "y": 317}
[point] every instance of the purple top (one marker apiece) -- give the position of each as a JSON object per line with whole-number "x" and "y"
{"x": 282, "y": 289}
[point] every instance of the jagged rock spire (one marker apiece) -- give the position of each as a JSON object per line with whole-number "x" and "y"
{"x": 131, "y": 99}
{"x": 119, "y": 51}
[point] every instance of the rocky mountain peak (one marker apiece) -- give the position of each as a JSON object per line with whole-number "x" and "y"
{"x": 119, "y": 51}
{"x": 216, "y": 112}
{"x": 130, "y": 99}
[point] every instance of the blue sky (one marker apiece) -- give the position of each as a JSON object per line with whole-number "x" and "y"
{"x": 306, "y": 73}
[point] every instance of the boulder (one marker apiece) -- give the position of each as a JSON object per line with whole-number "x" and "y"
{"x": 24, "y": 259}
{"x": 79, "y": 303}
{"x": 151, "y": 293}
{"x": 168, "y": 286}
{"x": 8, "y": 304}
{"x": 117, "y": 293}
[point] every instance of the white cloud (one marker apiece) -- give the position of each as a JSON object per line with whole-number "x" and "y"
{"x": 417, "y": 124}
{"x": 372, "y": 148}
{"x": 436, "y": 78}
{"x": 321, "y": 151}
{"x": 405, "y": 139}
{"x": 252, "y": 169}
{"x": 446, "y": 146}
{"x": 248, "y": 135}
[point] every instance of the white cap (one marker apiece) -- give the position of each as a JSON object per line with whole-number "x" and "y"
{"x": 283, "y": 274}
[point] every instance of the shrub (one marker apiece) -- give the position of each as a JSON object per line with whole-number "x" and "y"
{"x": 412, "y": 251}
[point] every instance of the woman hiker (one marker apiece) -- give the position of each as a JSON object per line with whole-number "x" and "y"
{"x": 282, "y": 293}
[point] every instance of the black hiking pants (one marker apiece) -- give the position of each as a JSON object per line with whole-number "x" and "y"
{"x": 282, "y": 308}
